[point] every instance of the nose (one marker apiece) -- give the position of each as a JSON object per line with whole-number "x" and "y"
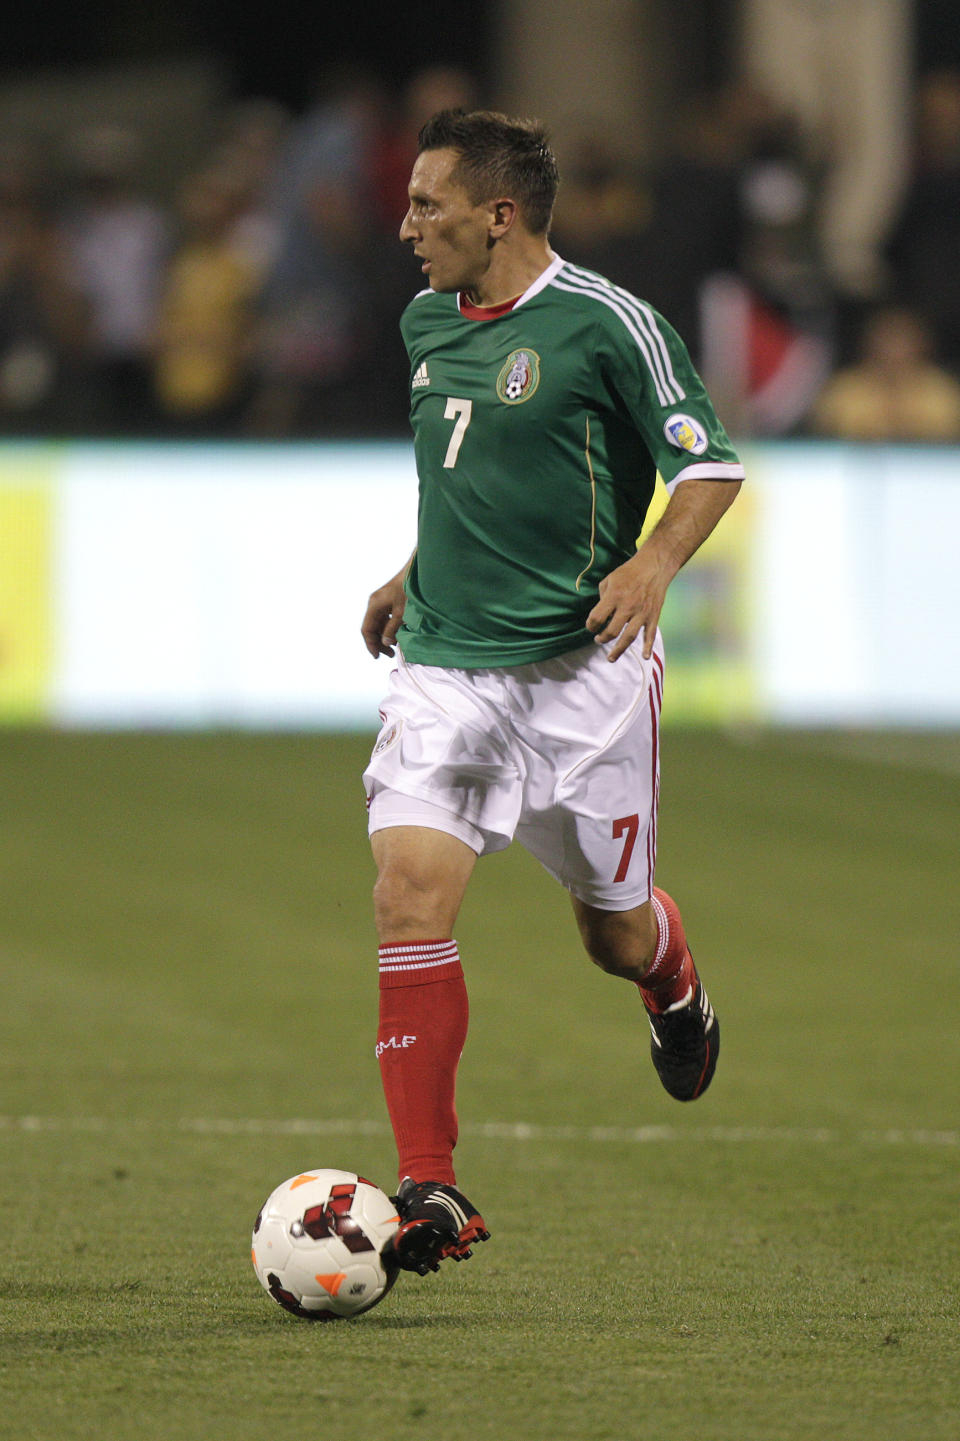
{"x": 408, "y": 230}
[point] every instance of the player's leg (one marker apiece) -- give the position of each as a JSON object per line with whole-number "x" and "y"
{"x": 648, "y": 945}
{"x": 442, "y": 788}
{"x": 590, "y": 816}
{"x": 422, "y": 874}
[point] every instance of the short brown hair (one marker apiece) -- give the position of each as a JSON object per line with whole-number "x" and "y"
{"x": 499, "y": 156}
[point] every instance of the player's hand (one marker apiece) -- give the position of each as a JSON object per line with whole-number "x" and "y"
{"x": 383, "y": 616}
{"x": 631, "y": 598}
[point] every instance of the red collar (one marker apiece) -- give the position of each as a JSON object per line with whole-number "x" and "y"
{"x": 484, "y": 312}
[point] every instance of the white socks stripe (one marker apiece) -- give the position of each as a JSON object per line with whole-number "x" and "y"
{"x": 663, "y": 933}
{"x": 418, "y": 955}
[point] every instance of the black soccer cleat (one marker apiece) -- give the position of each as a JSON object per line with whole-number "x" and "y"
{"x": 684, "y": 1044}
{"x": 436, "y": 1222}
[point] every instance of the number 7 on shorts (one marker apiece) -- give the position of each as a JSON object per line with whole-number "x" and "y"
{"x": 628, "y": 826}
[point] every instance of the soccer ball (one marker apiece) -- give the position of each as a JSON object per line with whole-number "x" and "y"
{"x": 317, "y": 1244}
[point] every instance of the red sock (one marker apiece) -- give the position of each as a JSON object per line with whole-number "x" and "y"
{"x": 423, "y": 1027}
{"x": 671, "y": 974}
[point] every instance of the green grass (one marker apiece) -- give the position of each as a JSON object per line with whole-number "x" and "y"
{"x": 188, "y": 979}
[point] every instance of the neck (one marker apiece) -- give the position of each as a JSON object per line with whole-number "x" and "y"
{"x": 510, "y": 272}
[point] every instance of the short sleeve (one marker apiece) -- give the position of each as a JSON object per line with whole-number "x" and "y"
{"x": 648, "y": 372}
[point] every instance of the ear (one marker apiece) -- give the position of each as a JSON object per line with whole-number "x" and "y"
{"x": 503, "y": 214}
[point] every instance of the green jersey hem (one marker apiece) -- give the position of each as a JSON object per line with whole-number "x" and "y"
{"x": 486, "y": 655}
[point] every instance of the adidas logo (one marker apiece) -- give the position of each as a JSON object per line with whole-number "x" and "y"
{"x": 420, "y": 377}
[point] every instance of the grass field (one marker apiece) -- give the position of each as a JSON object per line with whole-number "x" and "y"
{"x": 188, "y": 1008}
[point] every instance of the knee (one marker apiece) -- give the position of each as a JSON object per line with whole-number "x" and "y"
{"x": 630, "y": 963}
{"x": 421, "y": 877}
{"x": 408, "y": 906}
{"x": 622, "y": 943}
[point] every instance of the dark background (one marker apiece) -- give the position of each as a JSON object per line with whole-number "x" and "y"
{"x": 282, "y": 50}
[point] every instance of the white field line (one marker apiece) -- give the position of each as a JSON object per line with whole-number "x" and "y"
{"x": 518, "y": 1131}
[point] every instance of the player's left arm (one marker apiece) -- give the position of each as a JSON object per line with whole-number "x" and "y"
{"x": 631, "y": 597}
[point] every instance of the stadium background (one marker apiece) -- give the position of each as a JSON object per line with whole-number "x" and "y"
{"x": 185, "y": 941}
{"x": 790, "y": 151}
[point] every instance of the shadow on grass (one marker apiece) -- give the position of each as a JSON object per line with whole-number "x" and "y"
{"x": 38, "y": 1343}
{"x": 87, "y": 1317}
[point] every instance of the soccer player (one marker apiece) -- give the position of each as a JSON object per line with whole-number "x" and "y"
{"x": 526, "y": 696}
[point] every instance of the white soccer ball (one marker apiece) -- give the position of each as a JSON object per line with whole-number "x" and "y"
{"x": 317, "y": 1244}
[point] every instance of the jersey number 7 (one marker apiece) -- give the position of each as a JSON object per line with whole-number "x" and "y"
{"x": 460, "y": 411}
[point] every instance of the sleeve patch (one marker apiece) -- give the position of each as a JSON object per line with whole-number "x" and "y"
{"x": 686, "y": 433}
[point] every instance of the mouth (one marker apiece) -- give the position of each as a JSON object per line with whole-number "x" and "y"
{"x": 425, "y": 267}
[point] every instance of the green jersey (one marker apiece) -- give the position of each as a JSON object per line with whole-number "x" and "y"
{"x": 538, "y": 435}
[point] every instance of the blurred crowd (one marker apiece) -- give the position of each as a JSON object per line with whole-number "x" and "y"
{"x": 262, "y": 299}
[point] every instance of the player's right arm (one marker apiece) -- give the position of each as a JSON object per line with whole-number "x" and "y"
{"x": 384, "y": 614}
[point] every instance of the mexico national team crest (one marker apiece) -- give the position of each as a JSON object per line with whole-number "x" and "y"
{"x": 387, "y": 737}
{"x": 519, "y": 377}
{"x": 686, "y": 434}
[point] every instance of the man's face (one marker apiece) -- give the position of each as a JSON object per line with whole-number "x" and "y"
{"x": 448, "y": 232}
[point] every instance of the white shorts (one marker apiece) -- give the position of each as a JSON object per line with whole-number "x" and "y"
{"x": 562, "y": 754}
